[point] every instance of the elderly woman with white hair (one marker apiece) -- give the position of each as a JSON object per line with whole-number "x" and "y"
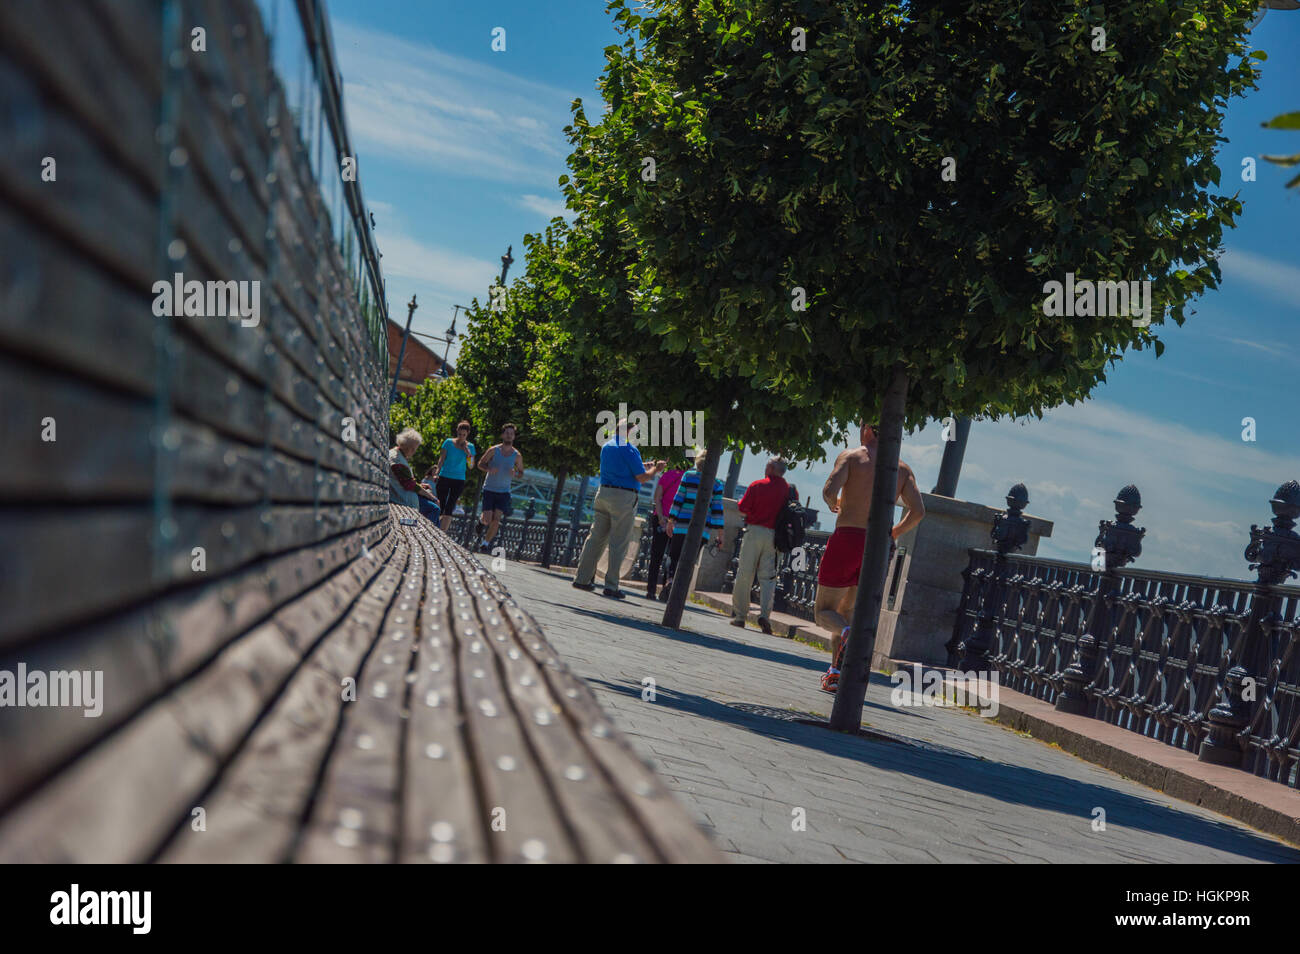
{"x": 402, "y": 486}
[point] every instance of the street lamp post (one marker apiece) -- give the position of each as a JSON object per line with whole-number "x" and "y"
{"x": 506, "y": 261}
{"x": 451, "y": 333}
{"x": 401, "y": 353}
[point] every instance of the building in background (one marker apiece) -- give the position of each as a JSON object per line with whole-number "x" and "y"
{"x": 418, "y": 364}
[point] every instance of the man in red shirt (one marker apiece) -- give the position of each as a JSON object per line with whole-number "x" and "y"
{"x": 763, "y": 500}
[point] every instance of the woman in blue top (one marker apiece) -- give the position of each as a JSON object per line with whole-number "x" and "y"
{"x": 456, "y": 457}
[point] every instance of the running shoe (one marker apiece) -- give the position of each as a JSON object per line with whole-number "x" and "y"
{"x": 830, "y": 681}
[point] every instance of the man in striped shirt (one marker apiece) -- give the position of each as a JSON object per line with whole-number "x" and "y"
{"x": 679, "y": 516}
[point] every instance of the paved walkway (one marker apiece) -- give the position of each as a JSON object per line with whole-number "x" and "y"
{"x": 972, "y": 791}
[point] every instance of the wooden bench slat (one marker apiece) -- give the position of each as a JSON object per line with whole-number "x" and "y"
{"x": 441, "y": 818}
{"x": 676, "y": 836}
{"x": 114, "y": 555}
{"x": 105, "y": 328}
{"x": 355, "y": 810}
{"x": 255, "y": 809}
{"x": 117, "y": 802}
{"x": 143, "y": 652}
{"x": 461, "y": 709}
{"x": 605, "y": 830}
{"x": 510, "y": 778}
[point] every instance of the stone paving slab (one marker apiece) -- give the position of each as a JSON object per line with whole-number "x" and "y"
{"x": 982, "y": 793}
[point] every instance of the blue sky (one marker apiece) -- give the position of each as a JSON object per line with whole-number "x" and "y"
{"x": 460, "y": 148}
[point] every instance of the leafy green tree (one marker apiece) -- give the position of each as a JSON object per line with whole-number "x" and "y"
{"x": 516, "y": 365}
{"x": 495, "y": 356}
{"x": 857, "y": 207}
{"x": 650, "y": 370}
{"x": 564, "y": 391}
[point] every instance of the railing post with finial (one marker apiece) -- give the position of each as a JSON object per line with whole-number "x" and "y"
{"x": 1010, "y": 532}
{"x": 529, "y": 513}
{"x": 1118, "y": 544}
{"x": 1275, "y": 553}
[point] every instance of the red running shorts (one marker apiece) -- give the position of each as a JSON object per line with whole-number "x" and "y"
{"x": 842, "y": 560}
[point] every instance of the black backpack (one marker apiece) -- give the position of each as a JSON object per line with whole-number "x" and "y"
{"x": 791, "y": 522}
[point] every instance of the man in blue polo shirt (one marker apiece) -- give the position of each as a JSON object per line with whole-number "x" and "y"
{"x": 621, "y": 470}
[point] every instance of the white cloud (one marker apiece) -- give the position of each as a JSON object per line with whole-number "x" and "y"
{"x": 445, "y": 269}
{"x": 1267, "y": 347}
{"x": 420, "y": 105}
{"x": 543, "y": 206}
{"x": 1200, "y": 491}
{"x": 439, "y": 278}
{"x": 1278, "y": 280}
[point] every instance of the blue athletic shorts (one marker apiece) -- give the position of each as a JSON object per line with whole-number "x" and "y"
{"x": 498, "y": 500}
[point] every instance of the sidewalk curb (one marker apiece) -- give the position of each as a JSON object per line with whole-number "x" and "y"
{"x": 1267, "y": 806}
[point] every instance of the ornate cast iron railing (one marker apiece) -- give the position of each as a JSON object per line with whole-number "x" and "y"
{"x": 1211, "y": 666}
{"x": 522, "y": 538}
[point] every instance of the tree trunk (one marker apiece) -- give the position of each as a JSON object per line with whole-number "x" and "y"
{"x": 733, "y": 472}
{"x": 846, "y": 715}
{"x": 554, "y": 515}
{"x": 953, "y": 452}
{"x": 685, "y": 567}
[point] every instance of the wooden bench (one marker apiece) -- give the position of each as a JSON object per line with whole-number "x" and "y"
{"x": 289, "y": 671}
{"x": 404, "y": 708}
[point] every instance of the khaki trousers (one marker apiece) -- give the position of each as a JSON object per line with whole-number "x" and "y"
{"x": 757, "y": 555}
{"x": 615, "y": 513}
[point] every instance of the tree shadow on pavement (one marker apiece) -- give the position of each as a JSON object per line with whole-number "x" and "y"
{"x": 1018, "y": 785}
{"x": 749, "y": 650}
{"x": 706, "y": 640}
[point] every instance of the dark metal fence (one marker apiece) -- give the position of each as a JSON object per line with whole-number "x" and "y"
{"x": 1211, "y": 666}
{"x": 522, "y": 538}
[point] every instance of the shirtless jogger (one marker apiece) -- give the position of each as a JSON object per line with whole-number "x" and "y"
{"x": 848, "y": 495}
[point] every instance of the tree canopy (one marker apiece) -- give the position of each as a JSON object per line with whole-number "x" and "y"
{"x": 802, "y": 146}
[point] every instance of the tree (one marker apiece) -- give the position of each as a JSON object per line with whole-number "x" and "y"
{"x": 495, "y": 356}
{"x": 611, "y": 327}
{"x": 911, "y": 175}
{"x": 516, "y": 365}
{"x": 563, "y": 390}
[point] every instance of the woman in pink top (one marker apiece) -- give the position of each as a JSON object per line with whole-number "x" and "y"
{"x": 665, "y": 490}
